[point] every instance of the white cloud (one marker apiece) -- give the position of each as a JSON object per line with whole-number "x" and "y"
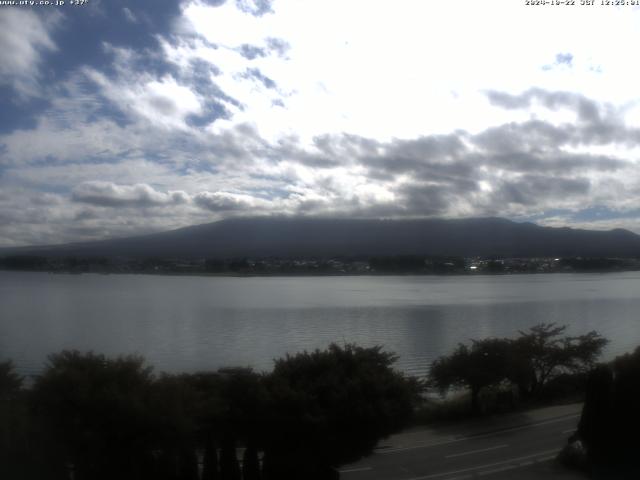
{"x": 385, "y": 71}
{"x": 336, "y": 108}
{"x": 160, "y": 101}
{"x": 129, "y": 15}
{"x": 24, "y": 37}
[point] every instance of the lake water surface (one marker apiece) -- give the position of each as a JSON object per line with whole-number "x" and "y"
{"x": 194, "y": 323}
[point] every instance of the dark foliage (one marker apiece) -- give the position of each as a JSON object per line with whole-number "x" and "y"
{"x": 23, "y": 262}
{"x": 611, "y": 419}
{"x": 483, "y": 364}
{"x": 92, "y": 417}
{"x": 337, "y": 403}
{"x": 250, "y": 463}
{"x": 10, "y": 381}
{"x": 94, "y": 411}
{"x": 13, "y": 422}
{"x": 529, "y": 362}
{"x": 542, "y": 353}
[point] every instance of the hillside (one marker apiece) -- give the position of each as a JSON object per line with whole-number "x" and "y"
{"x": 318, "y": 237}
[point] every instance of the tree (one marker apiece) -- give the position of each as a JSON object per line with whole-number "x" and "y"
{"x": 541, "y": 354}
{"x": 475, "y": 367}
{"x": 332, "y": 406}
{"x": 174, "y": 404}
{"x": 611, "y": 419}
{"x": 595, "y": 424}
{"x": 14, "y": 424}
{"x": 10, "y": 381}
{"x": 94, "y": 412}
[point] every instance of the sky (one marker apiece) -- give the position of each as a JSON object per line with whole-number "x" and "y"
{"x": 120, "y": 118}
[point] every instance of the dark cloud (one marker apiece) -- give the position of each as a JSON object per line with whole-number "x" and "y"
{"x": 213, "y": 111}
{"x": 525, "y": 164}
{"x": 598, "y": 124}
{"x": 278, "y": 45}
{"x": 530, "y": 135}
{"x": 508, "y": 101}
{"x": 107, "y": 194}
{"x": 251, "y": 52}
{"x": 586, "y": 109}
{"x": 199, "y": 74}
{"x": 531, "y": 190}
{"x": 220, "y": 202}
{"x": 165, "y": 106}
{"x": 257, "y": 75}
{"x": 426, "y": 199}
{"x": 437, "y": 158}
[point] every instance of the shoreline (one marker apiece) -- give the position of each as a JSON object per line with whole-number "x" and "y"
{"x": 327, "y": 274}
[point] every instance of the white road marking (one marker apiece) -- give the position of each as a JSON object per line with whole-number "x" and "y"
{"x": 472, "y": 437}
{"x": 505, "y": 468}
{"x": 351, "y": 470}
{"x": 511, "y": 467}
{"x": 475, "y": 451}
{"x": 544, "y": 455}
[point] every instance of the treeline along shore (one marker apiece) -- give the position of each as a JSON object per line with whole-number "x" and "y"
{"x": 88, "y": 416}
{"x": 355, "y": 265}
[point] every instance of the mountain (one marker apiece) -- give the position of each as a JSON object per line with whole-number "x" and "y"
{"x": 322, "y": 237}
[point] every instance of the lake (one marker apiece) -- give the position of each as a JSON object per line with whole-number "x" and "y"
{"x": 195, "y": 323}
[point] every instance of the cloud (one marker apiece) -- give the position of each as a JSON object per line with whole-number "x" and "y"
{"x": 251, "y": 52}
{"x": 594, "y": 123}
{"x": 256, "y": 8}
{"x": 564, "y": 58}
{"x": 228, "y": 202}
{"x": 256, "y": 75}
{"x": 144, "y": 196}
{"x": 171, "y": 119}
{"x": 517, "y": 169}
{"x": 107, "y": 194}
{"x": 129, "y": 15}
{"x": 25, "y": 38}
{"x": 586, "y": 109}
{"x": 426, "y": 199}
{"x": 536, "y": 190}
{"x": 278, "y": 45}
{"x": 163, "y": 101}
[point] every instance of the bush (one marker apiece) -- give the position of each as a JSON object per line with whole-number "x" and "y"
{"x": 94, "y": 413}
{"x": 93, "y": 417}
{"x": 331, "y": 407}
{"x": 541, "y": 363}
{"x": 610, "y": 419}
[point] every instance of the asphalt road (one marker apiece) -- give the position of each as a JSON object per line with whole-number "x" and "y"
{"x": 493, "y": 454}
